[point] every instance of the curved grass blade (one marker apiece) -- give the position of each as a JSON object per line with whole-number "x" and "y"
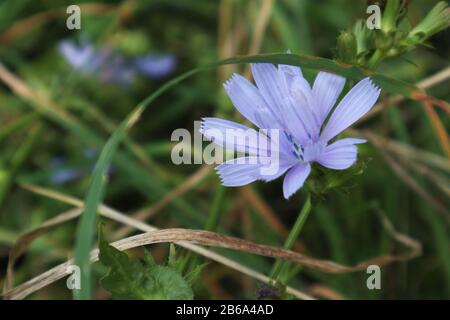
{"x": 349, "y": 71}
{"x": 86, "y": 229}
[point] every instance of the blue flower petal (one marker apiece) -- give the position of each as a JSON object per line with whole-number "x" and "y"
{"x": 356, "y": 103}
{"x": 341, "y": 154}
{"x": 244, "y": 170}
{"x": 248, "y": 101}
{"x": 295, "y": 178}
{"x": 326, "y": 90}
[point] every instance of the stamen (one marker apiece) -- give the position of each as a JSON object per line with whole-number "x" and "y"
{"x": 297, "y": 150}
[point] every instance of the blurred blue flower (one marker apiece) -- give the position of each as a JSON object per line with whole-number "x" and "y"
{"x": 63, "y": 175}
{"x": 83, "y": 57}
{"x": 61, "y": 172}
{"x": 113, "y": 67}
{"x": 155, "y": 66}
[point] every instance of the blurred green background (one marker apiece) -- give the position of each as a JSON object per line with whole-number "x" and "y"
{"x": 55, "y": 144}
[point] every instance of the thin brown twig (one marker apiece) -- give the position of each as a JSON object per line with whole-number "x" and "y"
{"x": 187, "y": 237}
{"x": 436, "y": 102}
{"x": 405, "y": 150}
{"x": 437, "y": 179}
{"x": 26, "y": 239}
{"x": 438, "y": 127}
{"x": 325, "y": 292}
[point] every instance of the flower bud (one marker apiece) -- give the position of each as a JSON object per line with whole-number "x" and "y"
{"x": 436, "y": 20}
{"x": 346, "y": 47}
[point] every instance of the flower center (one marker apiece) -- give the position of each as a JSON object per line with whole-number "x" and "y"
{"x": 312, "y": 150}
{"x": 308, "y": 152}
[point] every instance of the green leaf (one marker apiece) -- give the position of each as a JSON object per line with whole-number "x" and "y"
{"x": 131, "y": 279}
{"x": 125, "y": 275}
{"x": 364, "y": 38}
{"x": 166, "y": 283}
{"x": 436, "y": 20}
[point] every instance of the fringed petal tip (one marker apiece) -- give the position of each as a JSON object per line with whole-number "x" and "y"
{"x": 373, "y": 85}
{"x": 229, "y": 81}
{"x": 355, "y": 104}
{"x": 203, "y": 128}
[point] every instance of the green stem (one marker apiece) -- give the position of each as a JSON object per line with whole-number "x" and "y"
{"x": 376, "y": 56}
{"x": 293, "y": 235}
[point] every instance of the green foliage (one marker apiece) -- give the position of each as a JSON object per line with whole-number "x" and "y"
{"x": 396, "y": 36}
{"x": 365, "y": 41}
{"x": 83, "y": 113}
{"x": 142, "y": 280}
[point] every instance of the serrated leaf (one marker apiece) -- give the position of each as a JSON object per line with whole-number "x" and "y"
{"x": 166, "y": 283}
{"x": 131, "y": 279}
{"x": 124, "y": 276}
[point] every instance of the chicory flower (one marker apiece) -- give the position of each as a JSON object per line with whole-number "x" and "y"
{"x": 304, "y": 117}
